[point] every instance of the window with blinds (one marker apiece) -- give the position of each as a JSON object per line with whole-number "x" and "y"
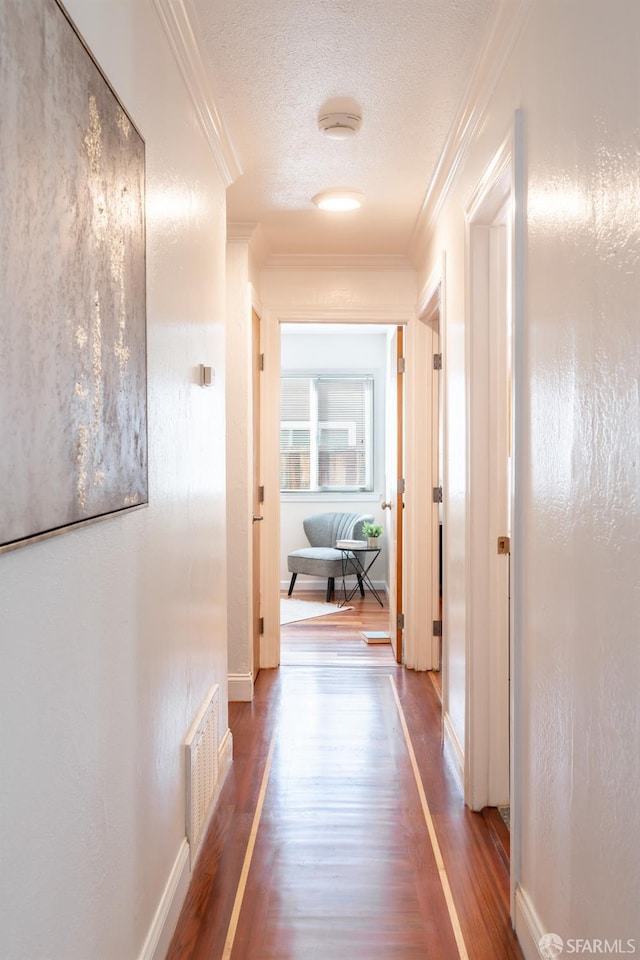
{"x": 326, "y": 433}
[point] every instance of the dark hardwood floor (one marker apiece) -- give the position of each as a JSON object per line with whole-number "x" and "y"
{"x": 336, "y": 639}
{"x": 340, "y": 833}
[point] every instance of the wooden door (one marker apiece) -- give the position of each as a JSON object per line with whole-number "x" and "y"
{"x": 394, "y": 486}
{"x": 257, "y": 495}
{"x": 437, "y": 460}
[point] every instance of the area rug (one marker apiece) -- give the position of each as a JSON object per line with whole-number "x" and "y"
{"x": 293, "y": 610}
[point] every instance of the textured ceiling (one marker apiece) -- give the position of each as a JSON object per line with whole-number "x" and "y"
{"x": 274, "y": 64}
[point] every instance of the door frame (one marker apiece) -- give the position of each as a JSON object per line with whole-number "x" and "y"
{"x": 242, "y": 296}
{"x": 486, "y": 752}
{"x": 504, "y": 178}
{"x": 421, "y": 514}
{"x": 395, "y": 482}
{"x": 270, "y": 425}
{"x": 257, "y": 518}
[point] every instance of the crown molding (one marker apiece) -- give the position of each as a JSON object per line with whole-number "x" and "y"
{"x": 429, "y": 299}
{"x": 250, "y": 234}
{"x": 240, "y": 232}
{"x": 321, "y": 261}
{"x": 507, "y": 26}
{"x": 180, "y": 25}
{"x": 349, "y": 313}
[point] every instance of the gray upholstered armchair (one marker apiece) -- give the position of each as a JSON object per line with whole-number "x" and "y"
{"x": 321, "y": 559}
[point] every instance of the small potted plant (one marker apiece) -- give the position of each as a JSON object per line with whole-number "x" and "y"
{"x": 371, "y": 531}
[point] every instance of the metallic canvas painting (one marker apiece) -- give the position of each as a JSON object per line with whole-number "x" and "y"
{"x": 73, "y": 418}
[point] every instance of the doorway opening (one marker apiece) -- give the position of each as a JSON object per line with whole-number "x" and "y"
{"x": 338, "y": 386}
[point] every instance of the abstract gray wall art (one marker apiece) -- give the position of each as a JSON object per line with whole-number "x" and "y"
{"x": 73, "y": 417}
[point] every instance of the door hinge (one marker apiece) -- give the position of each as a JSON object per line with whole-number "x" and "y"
{"x": 437, "y": 628}
{"x": 261, "y": 494}
{"x": 261, "y": 362}
{"x": 401, "y": 621}
{"x": 437, "y": 494}
{"x": 401, "y": 364}
{"x": 261, "y": 626}
{"x": 437, "y": 361}
{"x": 401, "y": 485}
{"x": 504, "y": 545}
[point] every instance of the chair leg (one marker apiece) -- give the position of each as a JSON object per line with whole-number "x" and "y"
{"x": 293, "y": 580}
{"x": 330, "y": 588}
{"x": 361, "y": 585}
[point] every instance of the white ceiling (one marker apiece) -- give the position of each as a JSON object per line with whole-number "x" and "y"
{"x": 275, "y": 64}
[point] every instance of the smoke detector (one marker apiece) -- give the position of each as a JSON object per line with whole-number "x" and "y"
{"x": 339, "y": 126}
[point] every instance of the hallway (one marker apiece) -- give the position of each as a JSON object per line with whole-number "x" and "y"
{"x": 335, "y": 758}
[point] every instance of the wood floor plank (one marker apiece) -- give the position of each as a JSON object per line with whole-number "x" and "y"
{"x": 336, "y": 639}
{"x": 343, "y": 866}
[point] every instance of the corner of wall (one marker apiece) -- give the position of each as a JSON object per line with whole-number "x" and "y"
{"x": 527, "y": 925}
{"x": 166, "y": 916}
{"x": 240, "y": 687}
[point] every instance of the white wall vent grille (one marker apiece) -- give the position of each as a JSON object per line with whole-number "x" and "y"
{"x": 201, "y": 750}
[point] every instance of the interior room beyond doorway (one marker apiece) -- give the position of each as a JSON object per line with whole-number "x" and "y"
{"x": 331, "y": 362}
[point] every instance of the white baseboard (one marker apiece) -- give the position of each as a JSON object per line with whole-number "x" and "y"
{"x": 166, "y": 917}
{"x": 453, "y": 750}
{"x": 529, "y": 929}
{"x": 240, "y": 687}
{"x": 174, "y": 894}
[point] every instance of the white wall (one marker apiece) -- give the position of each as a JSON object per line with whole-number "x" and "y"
{"x": 332, "y": 351}
{"x": 575, "y": 73}
{"x": 112, "y": 635}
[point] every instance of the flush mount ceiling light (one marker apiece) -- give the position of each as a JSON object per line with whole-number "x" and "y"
{"x": 339, "y": 199}
{"x": 339, "y": 126}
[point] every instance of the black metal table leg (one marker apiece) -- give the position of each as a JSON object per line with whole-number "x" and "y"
{"x": 352, "y": 559}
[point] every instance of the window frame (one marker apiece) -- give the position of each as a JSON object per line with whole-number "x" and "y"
{"x": 314, "y": 426}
